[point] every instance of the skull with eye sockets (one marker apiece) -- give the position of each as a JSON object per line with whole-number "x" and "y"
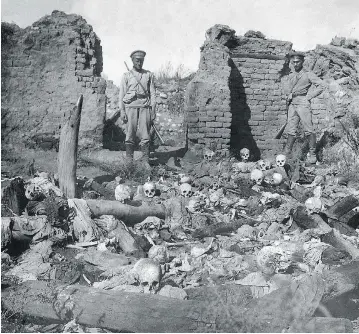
{"x": 208, "y": 155}
{"x": 281, "y": 160}
{"x": 264, "y": 165}
{"x": 186, "y": 190}
{"x": 244, "y": 153}
{"x": 149, "y": 188}
{"x": 257, "y": 176}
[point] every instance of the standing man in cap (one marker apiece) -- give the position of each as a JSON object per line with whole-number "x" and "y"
{"x": 138, "y": 105}
{"x": 298, "y": 97}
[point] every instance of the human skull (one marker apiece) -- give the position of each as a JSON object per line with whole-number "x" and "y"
{"x": 159, "y": 254}
{"x": 244, "y": 153}
{"x": 257, "y": 176}
{"x": 33, "y": 192}
{"x": 264, "y": 165}
{"x": 148, "y": 273}
{"x": 149, "y": 189}
{"x": 186, "y": 190}
{"x": 280, "y": 160}
{"x": 277, "y": 179}
{"x": 122, "y": 193}
{"x": 208, "y": 154}
{"x": 313, "y": 205}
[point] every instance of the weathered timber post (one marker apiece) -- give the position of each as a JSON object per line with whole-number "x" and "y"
{"x": 67, "y": 157}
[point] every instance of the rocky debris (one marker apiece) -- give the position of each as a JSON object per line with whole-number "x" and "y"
{"x": 254, "y": 34}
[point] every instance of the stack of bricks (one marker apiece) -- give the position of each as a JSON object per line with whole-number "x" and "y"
{"x": 208, "y": 99}
{"x": 45, "y": 68}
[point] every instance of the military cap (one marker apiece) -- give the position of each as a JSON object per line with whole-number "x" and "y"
{"x": 138, "y": 53}
{"x": 296, "y": 54}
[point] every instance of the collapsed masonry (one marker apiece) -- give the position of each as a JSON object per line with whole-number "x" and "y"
{"x": 45, "y": 68}
{"x": 236, "y": 98}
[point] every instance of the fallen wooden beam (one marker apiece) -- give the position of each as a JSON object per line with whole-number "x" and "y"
{"x": 121, "y": 311}
{"x": 67, "y": 156}
{"x": 130, "y": 215}
{"x": 342, "y": 207}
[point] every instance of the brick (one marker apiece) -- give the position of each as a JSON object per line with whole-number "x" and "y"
{"x": 195, "y": 135}
{"x": 257, "y": 117}
{"x": 271, "y": 76}
{"x": 193, "y": 125}
{"x": 215, "y": 113}
{"x": 191, "y": 108}
{"x": 208, "y": 130}
{"x": 261, "y": 70}
{"x": 207, "y": 119}
{"x": 226, "y": 135}
{"x": 224, "y": 119}
{"x": 259, "y": 108}
{"x": 227, "y": 125}
{"x": 247, "y": 70}
{"x": 272, "y": 108}
{"x": 222, "y": 130}
{"x": 214, "y": 124}
{"x": 267, "y": 61}
{"x": 227, "y": 114}
{"x": 257, "y": 76}
{"x": 253, "y": 123}
{"x": 191, "y": 119}
{"x": 253, "y": 60}
{"x": 273, "y": 71}
{"x": 214, "y": 135}
{"x": 85, "y": 73}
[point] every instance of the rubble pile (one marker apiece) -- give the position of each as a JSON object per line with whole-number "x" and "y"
{"x": 258, "y": 229}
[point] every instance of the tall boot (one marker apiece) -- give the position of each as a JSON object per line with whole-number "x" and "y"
{"x": 289, "y": 145}
{"x": 311, "y": 157}
{"x": 130, "y": 148}
{"x": 145, "y": 148}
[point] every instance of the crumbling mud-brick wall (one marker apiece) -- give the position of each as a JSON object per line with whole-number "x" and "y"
{"x": 45, "y": 68}
{"x": 258, "y": 104}
{"x": 236, "y": 98}
{"x": 208, "y": 98}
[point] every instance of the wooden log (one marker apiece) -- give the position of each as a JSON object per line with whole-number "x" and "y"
{"x": 116, "y": 311}
{"x": 67, "y": 156}
{"x": 321, "y": 325}
{"x": 121, "y": 311}
{"x": 342, "y": 207}
{"x": 130, "y": 215}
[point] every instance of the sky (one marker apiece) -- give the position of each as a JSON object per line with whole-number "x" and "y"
{"x": 173, "y": 30}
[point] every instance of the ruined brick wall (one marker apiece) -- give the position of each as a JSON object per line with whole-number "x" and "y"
{"x": 258, "y": 104}
{"x": 238, "y": 91}
{"x": 208, "y": 99}
{"x": 45, "y": 68}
